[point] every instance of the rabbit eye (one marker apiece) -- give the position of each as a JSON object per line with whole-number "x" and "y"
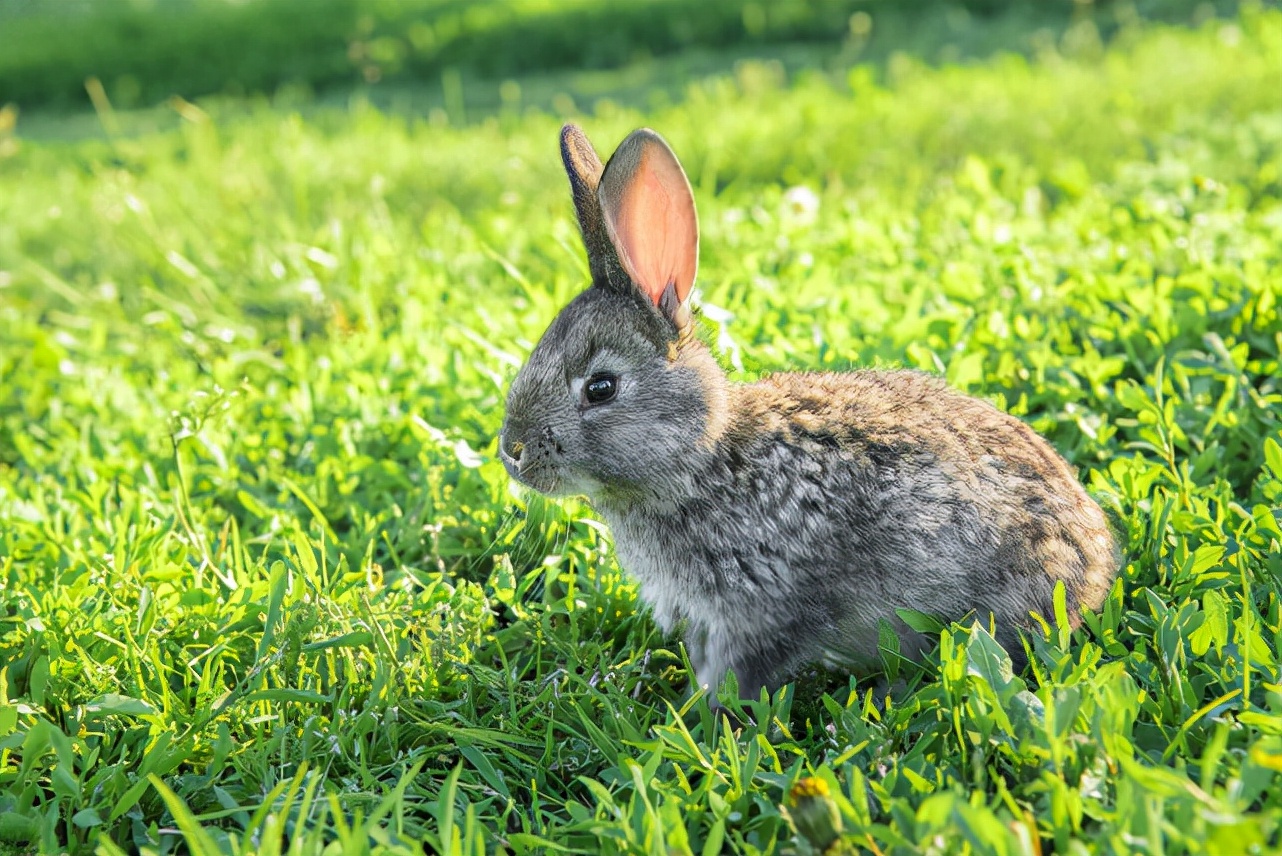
{"x": 601, "y": 388}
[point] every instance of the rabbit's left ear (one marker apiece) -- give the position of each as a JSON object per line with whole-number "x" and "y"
{"x": 649, "y": 213}
{"x": 584, "y": 170}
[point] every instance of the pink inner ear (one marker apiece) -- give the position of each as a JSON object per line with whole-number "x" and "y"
{"x": 649, "y": 212}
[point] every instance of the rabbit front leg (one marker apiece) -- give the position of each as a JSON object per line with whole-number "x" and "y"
{"x": 709, "y": 666}
{"x": 764, "y": 659}
{"x": 750, "y": 687}
{"x": 714, "y": 663}
{"x": 705, "y": 674}
{"x": 752, "y": 678}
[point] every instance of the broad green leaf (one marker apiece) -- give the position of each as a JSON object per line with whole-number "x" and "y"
{"x": 119, "y": 705}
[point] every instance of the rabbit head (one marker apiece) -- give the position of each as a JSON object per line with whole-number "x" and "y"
{"x": 618, "y": 388}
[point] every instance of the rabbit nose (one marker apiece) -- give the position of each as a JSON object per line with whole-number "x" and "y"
{"x": 511, "y": 450}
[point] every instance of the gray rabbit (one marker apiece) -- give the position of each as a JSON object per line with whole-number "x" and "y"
{"x": 780, "y": 521}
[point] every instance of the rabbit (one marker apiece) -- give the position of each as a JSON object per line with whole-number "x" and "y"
{"x": 781, "y": 522}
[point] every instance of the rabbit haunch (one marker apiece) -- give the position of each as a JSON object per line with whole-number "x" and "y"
{"x": 779, "y": 522}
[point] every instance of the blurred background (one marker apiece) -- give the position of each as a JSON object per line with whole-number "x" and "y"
{"x": 467, "y": 56}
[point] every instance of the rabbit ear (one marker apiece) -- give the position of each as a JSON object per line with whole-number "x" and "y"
{"x": 648, "y": 209}
{"x": 584, "y": 169}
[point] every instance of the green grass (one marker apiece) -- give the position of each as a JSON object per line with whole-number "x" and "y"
{"x": 144, "y": 51}
{"x": 147, "y": 50}
{"x": 264, "y": 587}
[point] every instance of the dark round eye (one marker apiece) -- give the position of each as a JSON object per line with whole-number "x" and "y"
{"x": 600, "y": 388}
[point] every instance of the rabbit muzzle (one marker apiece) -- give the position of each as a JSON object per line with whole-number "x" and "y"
{"x": 531, "y": 460}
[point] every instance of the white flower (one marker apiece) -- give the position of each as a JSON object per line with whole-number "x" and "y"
{"x": 800, "y": 205}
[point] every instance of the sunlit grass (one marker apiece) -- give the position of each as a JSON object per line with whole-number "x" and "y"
{"x": 264, "y": 588}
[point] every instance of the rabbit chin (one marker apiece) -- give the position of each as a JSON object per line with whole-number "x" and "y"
{"x": 560, "y": 484}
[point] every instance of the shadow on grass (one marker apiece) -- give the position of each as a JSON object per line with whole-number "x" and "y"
{"x": 459, "y": 63}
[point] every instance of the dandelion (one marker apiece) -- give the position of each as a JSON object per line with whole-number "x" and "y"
{"x": 813, "y": 814}
{"x": 800, "y": 205}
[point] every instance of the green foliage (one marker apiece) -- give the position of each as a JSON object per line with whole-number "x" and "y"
{"x": 149, "y": 51}
{"x": 264, "y": 588}
{"x": 145, "y": 51}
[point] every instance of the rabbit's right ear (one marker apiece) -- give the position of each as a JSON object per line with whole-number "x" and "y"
{"x": 584, "y": 170}
{"x": 648, "y": 209}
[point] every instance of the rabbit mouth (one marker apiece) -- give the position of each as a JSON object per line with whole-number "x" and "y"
{"x": 541, "y": 480}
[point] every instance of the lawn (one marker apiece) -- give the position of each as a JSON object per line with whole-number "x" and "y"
{"x": 264, "y": 586}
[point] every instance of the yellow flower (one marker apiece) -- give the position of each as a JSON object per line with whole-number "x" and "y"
{"x": 813, "y": 814}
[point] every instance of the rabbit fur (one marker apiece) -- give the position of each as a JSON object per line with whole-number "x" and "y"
{"x": 779, "y": 522}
